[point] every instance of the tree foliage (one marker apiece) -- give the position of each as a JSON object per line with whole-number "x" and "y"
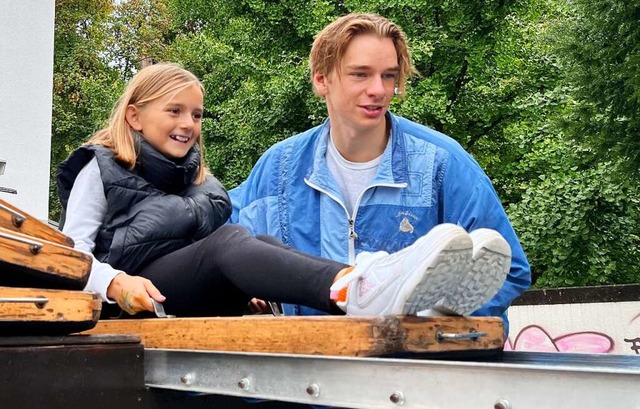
{"x": 83, "y": 82}
{"x": 601, "y": 42}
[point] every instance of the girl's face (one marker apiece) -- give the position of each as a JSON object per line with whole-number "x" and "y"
{"x": 172, "y": 123}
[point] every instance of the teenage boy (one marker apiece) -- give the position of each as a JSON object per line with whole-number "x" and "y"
{"x": 367, "y": 180}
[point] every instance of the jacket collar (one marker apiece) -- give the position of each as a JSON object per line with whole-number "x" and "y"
{"x": 169, "y": 176}
{"x": 392, "y": 169}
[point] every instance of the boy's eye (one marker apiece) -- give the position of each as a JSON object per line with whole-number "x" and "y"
{"x": 174, "y": 110}
{"x": 197, "y": 116}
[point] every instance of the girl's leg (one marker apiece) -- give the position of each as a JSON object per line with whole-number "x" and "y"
{"x": 193, "y": 287}
{"x": 219, "y": 274}
{"x": 264, "y": 267}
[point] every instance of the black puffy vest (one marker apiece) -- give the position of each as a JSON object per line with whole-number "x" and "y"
{"x": 151, "y": 211}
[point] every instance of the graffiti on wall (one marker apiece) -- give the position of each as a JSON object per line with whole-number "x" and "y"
{"x": 534, "y": 338}
{"x": 635, "y": 342}
{"x": 540, "y": 338}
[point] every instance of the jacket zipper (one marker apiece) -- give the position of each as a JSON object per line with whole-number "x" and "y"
{"x": 352, "y": 235}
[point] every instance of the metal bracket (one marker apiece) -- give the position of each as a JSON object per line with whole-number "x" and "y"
{"x": 159, "y": 310}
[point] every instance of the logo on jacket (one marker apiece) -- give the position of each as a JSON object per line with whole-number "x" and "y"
{"x": 406, "y": 226}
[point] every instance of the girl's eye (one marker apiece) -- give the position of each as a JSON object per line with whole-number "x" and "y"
{"x": 174, "y": 111}
{"x": 197, "y": 116}
{"x": 359, "y": 74}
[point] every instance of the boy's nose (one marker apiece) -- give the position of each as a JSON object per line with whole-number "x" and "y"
{"x": 376, "y": 86}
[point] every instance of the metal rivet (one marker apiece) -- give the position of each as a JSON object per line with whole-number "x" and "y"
{"x": 187, "y": 379}
{"x": 397, "y": 398}
{"x": 313, "y": 390}
{"x": 244, "y": 384}
{"x": 502, "y": 404}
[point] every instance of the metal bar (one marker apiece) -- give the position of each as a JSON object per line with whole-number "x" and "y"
{"x": 34, "y": 246}
{"x": 18, "y": 218}
{"x": 468, "y": 335}
{"x": 40, "y": 302}
{"x": 389, "y": 383}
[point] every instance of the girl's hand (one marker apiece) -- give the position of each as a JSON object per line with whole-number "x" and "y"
{"x": 132, "y": 293}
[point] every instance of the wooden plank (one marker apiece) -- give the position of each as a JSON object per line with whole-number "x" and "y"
{"x": 57, "y": 305}
{"x": 58, "y": 266}
{"x": 14, "y": 219}
{"x": 326, "y": 335}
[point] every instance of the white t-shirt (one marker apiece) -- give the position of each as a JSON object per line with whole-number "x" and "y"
{"x": 86, "y": 209}
{"x": 352, "y": 177}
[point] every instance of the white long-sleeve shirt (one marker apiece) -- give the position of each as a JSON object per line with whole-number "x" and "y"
{"x": 86, "y": 209}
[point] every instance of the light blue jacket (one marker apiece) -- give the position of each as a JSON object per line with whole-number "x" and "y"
{"x": 425, "y": 178}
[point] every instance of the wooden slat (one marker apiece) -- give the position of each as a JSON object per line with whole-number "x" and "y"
{"x": 52, "y": 259}
{"x": 27, "y": 224}
{"x": 326, "y": 335}
{"x": 62, "y": 306}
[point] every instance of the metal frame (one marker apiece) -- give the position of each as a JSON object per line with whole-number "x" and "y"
{"x": 519, "y": 381}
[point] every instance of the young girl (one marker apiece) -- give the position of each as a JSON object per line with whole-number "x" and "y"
{"x": 138, "y": 197}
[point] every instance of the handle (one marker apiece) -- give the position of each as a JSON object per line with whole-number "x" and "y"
{"x": 34, "y": 246}
{"x": 472, "y": 335}
{"x": 16, "y": 218}
{"x": 40, "y": 302}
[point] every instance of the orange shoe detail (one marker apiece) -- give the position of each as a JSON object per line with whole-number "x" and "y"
{"x": 341, "y": 295}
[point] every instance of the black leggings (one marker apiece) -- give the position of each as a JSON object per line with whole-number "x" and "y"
{"x": 219, "y": 274}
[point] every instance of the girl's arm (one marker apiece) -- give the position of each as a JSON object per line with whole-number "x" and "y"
{"x": 86, "y": 210}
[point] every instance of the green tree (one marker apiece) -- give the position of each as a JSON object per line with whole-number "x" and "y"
{"x": 599, "y": 39}
{"x": 83, "y": 82}
{"x": 139, "y": 32}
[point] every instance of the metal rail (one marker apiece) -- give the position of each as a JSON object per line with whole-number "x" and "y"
{"x": 514, "y": 380}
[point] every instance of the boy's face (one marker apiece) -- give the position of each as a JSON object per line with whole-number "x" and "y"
{"x": 358, "y": 91}
{"x": 172, "y": 123}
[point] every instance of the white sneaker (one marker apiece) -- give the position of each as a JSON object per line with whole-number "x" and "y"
{"x": 491, "y": 264}
{"x": 411, "y": 280}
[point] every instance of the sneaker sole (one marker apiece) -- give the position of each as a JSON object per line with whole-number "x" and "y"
{"x": 435, "y": 276}
{"x": 491, "y": 264}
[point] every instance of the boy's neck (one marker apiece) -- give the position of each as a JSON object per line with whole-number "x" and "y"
{"x": 360, "y": 146}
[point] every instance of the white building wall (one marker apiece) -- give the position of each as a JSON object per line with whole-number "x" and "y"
{"x": 26, "y": 80}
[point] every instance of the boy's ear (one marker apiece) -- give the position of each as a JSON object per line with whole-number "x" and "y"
{"x": 132, "y": 115}
{"x": 320, "y": 85}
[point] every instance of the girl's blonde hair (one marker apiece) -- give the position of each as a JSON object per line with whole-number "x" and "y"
{"x": 330, "y": 44}
{"x": 149, "y": 84}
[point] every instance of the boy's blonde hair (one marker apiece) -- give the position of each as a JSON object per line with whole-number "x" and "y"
{"x": 149, "y": 84}
{"x": 331, "y": 44}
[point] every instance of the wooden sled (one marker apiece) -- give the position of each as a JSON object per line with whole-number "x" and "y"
{"x": 27, "y": 261}
{"x": 12, "y": 218}
{"x": 29, "y": 311}
{"x": 318, "y": 335}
